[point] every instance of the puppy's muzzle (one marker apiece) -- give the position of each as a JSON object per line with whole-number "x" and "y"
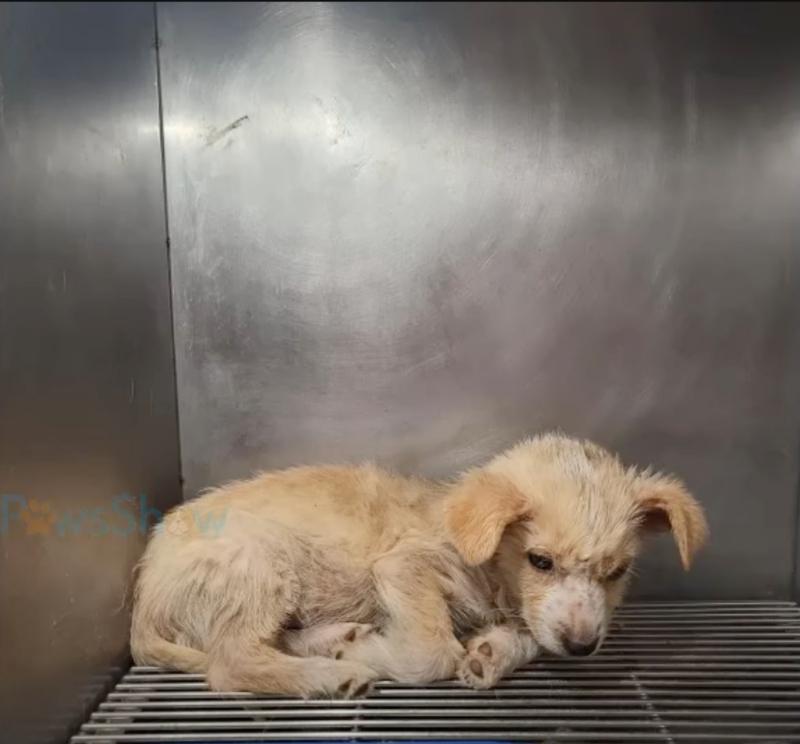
{"x": 579, "y": 647}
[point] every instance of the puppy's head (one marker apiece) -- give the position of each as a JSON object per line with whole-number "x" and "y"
{"x": 561, "y": 520}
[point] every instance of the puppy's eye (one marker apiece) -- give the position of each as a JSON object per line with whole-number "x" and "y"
{"x": 540, "y": 562}
{"x": 618, "y": 573}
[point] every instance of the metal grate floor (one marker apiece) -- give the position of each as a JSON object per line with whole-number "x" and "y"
{"x": 669, "y": 672}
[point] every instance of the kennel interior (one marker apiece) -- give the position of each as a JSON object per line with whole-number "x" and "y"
{"x": 239, "y": 236}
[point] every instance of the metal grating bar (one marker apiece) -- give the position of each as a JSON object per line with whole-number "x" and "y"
{"x": 670, "y": 672}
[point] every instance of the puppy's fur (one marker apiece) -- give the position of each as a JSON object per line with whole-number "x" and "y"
{"x": 320, "y": 580}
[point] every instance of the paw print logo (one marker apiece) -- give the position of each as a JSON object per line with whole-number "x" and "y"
{"x": 39, "y": 518}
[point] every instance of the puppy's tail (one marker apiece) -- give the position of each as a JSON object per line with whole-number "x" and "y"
{"x": 148, "y": 648}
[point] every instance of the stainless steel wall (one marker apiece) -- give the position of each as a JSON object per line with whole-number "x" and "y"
{"x": 87, "y": 403}
{"x": 417, "y": 232}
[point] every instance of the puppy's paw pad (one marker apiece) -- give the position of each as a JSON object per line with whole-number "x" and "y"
{"x": 485, "y": 649}
{"x": 357, "y": 631}
{"x": 478, "y": 670}
{"x": 333, "y": 640}
{"x": 357, "y": 682}
{"x": 340, "y": 651}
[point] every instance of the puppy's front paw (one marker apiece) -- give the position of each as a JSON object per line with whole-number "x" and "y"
{"x": 480, "y": 668}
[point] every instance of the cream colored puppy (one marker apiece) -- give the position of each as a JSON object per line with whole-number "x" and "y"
{"x": 320, "y": 580}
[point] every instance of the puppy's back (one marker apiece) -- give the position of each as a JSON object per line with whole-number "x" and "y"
{"x": 358, "y": 506}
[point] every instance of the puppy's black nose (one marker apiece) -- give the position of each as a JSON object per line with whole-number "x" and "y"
{"x": 579, "y": 649}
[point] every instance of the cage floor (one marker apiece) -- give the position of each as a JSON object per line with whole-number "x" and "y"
{"x": 668, "y": 672}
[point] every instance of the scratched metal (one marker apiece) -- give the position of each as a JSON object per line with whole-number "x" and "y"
{"x": 417, "y": 232}
{"x": 87, "y": 403}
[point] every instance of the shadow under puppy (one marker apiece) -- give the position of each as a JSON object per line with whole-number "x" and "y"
{"x": 323, "y": 579}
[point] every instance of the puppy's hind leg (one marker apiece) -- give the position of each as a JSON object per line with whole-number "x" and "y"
{"x": 238, "y": 665}
{"x": 417, "y": 644}
{"x": 244, "y": 653}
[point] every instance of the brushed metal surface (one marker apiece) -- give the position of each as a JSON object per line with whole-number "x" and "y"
{"x": 87, "y": 403}
{"x": 417, "y": 232}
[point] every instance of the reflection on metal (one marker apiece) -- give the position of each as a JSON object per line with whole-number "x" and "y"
{"x": 87, "y": 405}
{"x": 417, "y": 232}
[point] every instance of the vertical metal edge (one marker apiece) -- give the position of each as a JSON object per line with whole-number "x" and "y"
{"x": 167, "y": 241}
{"x": 88, "y": 399}
{"x": 123, "y": 670}
{"x": 794, "y": 588}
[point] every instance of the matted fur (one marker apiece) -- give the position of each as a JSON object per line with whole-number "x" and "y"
{"x": 321, "y": 579}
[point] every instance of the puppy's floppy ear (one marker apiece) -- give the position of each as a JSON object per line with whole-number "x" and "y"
{"x": 477, "y": 512}
{"x": 663, "y": 503}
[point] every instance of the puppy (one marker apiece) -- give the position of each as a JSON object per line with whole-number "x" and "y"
{"x": 319, "y": 580}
